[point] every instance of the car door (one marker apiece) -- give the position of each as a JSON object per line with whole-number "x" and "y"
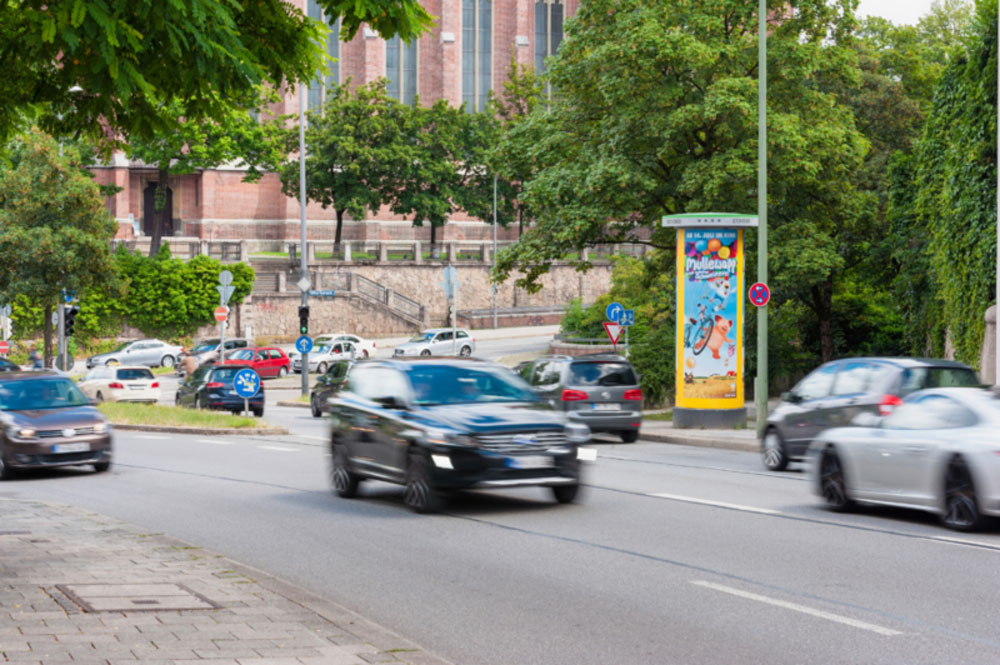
{"x": 262, "y": 363}
{"x": 546, "y": 380}
{"x": 806, "y": 417}
{"x": 849, "y": 395}
{"x": 188, "y": 389}
{"x": 373, "y": 427}
{"x": 278, "y": 360}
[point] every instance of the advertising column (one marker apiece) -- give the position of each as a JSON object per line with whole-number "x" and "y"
{"x": 709, "y": 348}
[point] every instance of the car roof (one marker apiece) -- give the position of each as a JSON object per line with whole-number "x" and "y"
{"x": 437, "y": 330}
{"x": 584, "y": 357}
{"x": 118, "y": 367}
{"x": 399, "y": 362}
{"x": 908, "y": 362}
{"x": 35, "y": 374}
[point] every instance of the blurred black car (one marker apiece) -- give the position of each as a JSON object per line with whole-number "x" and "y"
{"x": 327, "y": 386}
{"x": 434, "y": 424}
{"x": 834, "y": 393}
{"x": 8, "y": 366}
{"x": 211, "y": 387}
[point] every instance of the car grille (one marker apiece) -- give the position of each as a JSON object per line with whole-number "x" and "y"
{"x": 521, "y": 442}
{"x": 54, "y": 433}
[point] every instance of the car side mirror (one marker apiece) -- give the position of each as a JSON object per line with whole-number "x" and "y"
{"x": 391, "y": 402}
{"x": 866, "y": 419}
{"x": 790, "y": 397}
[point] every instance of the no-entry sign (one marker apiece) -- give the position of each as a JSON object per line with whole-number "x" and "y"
{"x": 4, "y": 347}
{"x": 221, "y": 313}
{"x": 759, "y": 294}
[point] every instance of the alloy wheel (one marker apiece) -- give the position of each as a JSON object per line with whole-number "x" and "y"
{"x": 832, "y": 484}
{"x": 775, "y": 458}
{"x": 344, "y": 482}
{"x": 418, "y": 493}
{"x": 961, "y": 511}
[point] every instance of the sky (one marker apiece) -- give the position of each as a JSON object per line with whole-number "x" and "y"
{"x": 897, "y": 11}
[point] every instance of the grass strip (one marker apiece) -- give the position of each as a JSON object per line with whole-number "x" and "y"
{"x": 125, "y": 413}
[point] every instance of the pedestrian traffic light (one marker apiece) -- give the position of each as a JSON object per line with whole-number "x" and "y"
{"x": 304, "y": 320}
{"x": 70, "y": 319}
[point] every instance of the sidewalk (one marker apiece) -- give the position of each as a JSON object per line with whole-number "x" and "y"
{"x": 662, "y": 431}
{"x": 77, "y": 587}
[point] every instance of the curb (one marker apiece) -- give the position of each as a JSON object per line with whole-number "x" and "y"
{"x": 176, "y": 429}
{"x": 302, "y": 405}
{"x": 702, "y": 441}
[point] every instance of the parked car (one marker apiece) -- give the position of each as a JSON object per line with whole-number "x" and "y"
{"x": 436, "y": 425}
{"x": 47, "y": 422}
{"x": 268, "y": 362}
{"x": 601, "y": 391}
{"x": 8, "y": 366}
{"x": 121, "y": 384}
{"x": 148, "y": 352}
{"x": 438, "y": 342}
{"x": 937, "y": 451}
{"x": 835, "y": 392}
{"x": 365, "y": 347}
{"x": 323, "y": 355}
{"x": 211, "y": 387}
{"x": 327, "y": 386}
{"x": 207, "y": 350}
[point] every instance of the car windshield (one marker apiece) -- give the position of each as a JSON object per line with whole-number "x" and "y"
{"x": 450, "y": 384}
{"x": 423, "y": 337}
{"x": 134, "y": 374}
{"x": 7, "y": 366}
{"x": 322, "y": 348}
{"x": 242, "y": 354}
{"x": 121, "y": 347}
{"x": 41, "y": 393}
{"x": 225, "y": 374}
{"x": 601, "y": 374}
{"x": 202, "y": 347}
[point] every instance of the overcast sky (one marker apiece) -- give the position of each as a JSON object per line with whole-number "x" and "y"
{"x": 897, "y": 11}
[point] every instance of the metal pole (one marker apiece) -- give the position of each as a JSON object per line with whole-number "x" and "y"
{"x": 222, "y": 334}
{"x": 760, "y": 388}
{"x": 302, "y": 218}
{"x": 996, "y": 339}
{"x": 61, "y": 343}
{"x": 495, "y": 247}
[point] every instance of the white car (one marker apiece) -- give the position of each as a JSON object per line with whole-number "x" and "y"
{"x": 121, "y": 384}
{"x": 365, "y": 347}
{"x": 937, "y": 451}
{"x": 322, "y": 356}
{"x": 438, "y": 342}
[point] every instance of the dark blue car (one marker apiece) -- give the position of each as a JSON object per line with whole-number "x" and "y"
{"x": 211, "y": 387}
{"x": 436, "y": 425}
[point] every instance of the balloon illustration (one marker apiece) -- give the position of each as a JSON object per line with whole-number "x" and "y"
{"x": 701, "y": 245}
{"x": 714, "y": 244}
{"x": 689, "y": 362}
{"x": 723, "y": 252}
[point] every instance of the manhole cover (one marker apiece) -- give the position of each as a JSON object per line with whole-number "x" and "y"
{"x": 135, "y": 597}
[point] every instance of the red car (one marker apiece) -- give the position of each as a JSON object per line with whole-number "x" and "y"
{"x": 267, "y": 361}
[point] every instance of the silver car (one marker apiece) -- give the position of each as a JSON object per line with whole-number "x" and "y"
{"x": 324, "y": 355}
{"x": 937, "y": 451}
{"x": 207, "y": 350}
{"x": 438, "y": 342}
{"x": 148, "y": 352}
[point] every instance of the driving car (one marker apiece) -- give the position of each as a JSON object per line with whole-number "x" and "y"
{"x": 207, "y": 350}
{"x": 438, "y": 342}
{"x": 147, "y": 352}
{"x": 327, "y": 386}
{"x": 47, "y": 422}
{"x": 121, "y": 384}
{"x": 937, "y": 451}
{"x": 323, "y": 355}
{"x": 600, "y": 390}
{"x": 211, "y": 387}
{"x": 835, "y": 392}
{"x": 8, "y": 366}
{"x": 365, "y": 347}
{"x": 435, "y": 425}
{"x": 268, "y": 362}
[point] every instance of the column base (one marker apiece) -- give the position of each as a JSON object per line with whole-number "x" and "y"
{"x": 685, "y": 418}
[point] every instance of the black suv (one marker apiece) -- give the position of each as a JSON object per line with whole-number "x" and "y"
{"x": 435, "y": 424}
{"x": 328, "y": 385}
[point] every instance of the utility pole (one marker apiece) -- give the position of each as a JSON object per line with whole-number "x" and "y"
{"x": 996, "y": 324}
{"x": 494, "y": 248}
{"x": 760, "y": 388}
{"x": 302, "y": 218}
{"x": 61, "y": 337}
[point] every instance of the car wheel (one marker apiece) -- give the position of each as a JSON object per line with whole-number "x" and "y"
{"x": 168, "y": 362}
{"x": 342, "y": 480}
{"x": 197, "y": 402}
{"x": 425, "y": 352}
{"x": 321, "y": 368}
{"x": 258, "y": 413}
{"x": 314, "y": 406}
{"x": 99, "y": 396}
{"x": 364, "y": 353}
{"x": 961, "y": 509}
{"x": 283, "y": 372}
{"x": 631, "y": 436}
{"x": 111, "y": 363}
{"x": 832, "y": 483}
{"x": 101, "y": 467}
{"x": 774, "y": 454}
{"x": 6, "y": 473}
{"x": 177, "y": 400}
{"x": 465, "y": 351}
{"x": 566, "y": 493}
{"x": 419, "y": 495}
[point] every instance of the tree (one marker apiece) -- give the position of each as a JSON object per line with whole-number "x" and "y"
{"x": 237, "y": 134}
{"x": 55, "y": 233}
{"x": 136, "y": 59}
{"x": 356, "y": 151}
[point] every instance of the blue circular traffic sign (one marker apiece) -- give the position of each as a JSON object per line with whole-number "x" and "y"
{"x": 304, "y": 344}
{"x": 759, "y": 294}
{"x": 246, "y": 383}
{"x": 614, "y": 312}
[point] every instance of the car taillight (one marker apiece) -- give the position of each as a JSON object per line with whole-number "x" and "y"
{"x": 116, "y": 386}
{"x": 573, "y": 395}
{"x": 634, "y": 394}
{"x": 215, "y": 384}
{"x": 888, "y": 404}
{"x": 156, "y": 384}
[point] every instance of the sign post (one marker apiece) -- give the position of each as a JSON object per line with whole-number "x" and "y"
{"x": 450, "y": 283}
{"x": 627, "y": 321}
{"x": 246, "y": 383}
{"x": 225, "y": 293}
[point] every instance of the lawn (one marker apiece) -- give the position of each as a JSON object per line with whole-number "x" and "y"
{"x": 661, "y": 415}
{"x": 124, "y": 413}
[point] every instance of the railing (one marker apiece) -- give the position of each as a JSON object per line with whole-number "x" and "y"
{"x": 407, "y": 306}
{"x": 267, "y": 282}
{"x": 367, "y": 287}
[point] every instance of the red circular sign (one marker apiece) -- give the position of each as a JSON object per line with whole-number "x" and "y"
{"x": 221, "y": 313}
{"x": 4, "y": 346}
{"x": 760, "y": 295}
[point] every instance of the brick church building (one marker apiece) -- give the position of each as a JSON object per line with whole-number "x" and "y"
{"x": 464, "y": 56}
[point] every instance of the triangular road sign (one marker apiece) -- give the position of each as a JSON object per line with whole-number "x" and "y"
{"x": 614, "y": 330}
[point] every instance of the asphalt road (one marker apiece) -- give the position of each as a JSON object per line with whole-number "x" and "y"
{"x": 674, "y": 555}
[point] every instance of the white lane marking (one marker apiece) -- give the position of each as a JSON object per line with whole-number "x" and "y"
{"x": 151, "y": 437}
{"x": 310, "y": 436}
{"x": 963, "y": 541}
{"x": 829, "y": 616}
{"x": 717, "y": 504}
{"x": 280, "y": 449}
{"x": 218, "y": 442}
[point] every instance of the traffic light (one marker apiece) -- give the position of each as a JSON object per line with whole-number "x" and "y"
{"x": 70, "y": 319}
{"x": 304, "y": 320}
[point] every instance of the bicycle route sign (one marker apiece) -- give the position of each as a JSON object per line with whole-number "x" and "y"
{"x": 246, "y": 383}
{"x": 304, "y": 344}
{"x": 759, "y": 294}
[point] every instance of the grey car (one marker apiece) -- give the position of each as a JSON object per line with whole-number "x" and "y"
{"x": 148, "y": 352}
{"x": 601, "y": 391}
{"x": 835, "y": 392}
{"x": 438, "y": 342}
{"x": 207, "y": 350}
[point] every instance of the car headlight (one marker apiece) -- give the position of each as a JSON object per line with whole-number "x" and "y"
{"x": 577, "y": 433}
{"x": 15, "y": 432}
{"x": 101, "y": 427}
{"x": 443, "y": 437}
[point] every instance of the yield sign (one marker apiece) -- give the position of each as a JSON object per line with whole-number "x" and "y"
{"x": 614, "y": 330}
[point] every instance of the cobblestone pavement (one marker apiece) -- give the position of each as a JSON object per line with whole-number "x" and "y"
{"x": 77, "y": 587}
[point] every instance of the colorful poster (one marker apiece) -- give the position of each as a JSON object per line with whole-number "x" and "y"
{"x": 710, "y": 318}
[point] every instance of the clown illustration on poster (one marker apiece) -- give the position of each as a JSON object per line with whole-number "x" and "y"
{"x": 710, "y": 326}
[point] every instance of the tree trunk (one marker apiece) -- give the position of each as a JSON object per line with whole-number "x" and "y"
{"x": 520, "y": 222}
{"x": 340, "y": 227}
{"x": 162, "y": 210}
{"x": 434, "y": 229}
{"x": 823, "y": 307}
{"x": 47, "y": 335}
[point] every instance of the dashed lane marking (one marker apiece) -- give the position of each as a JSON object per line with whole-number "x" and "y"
{"x": 280, "y": 449}
{"x": 717, "y": 504}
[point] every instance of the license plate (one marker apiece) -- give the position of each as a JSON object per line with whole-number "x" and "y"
{"x": 70, "y": 447}
{"x": 614, "y": 406}
{"x": 136, "y": 387}
{"x": 529, "y": 462}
